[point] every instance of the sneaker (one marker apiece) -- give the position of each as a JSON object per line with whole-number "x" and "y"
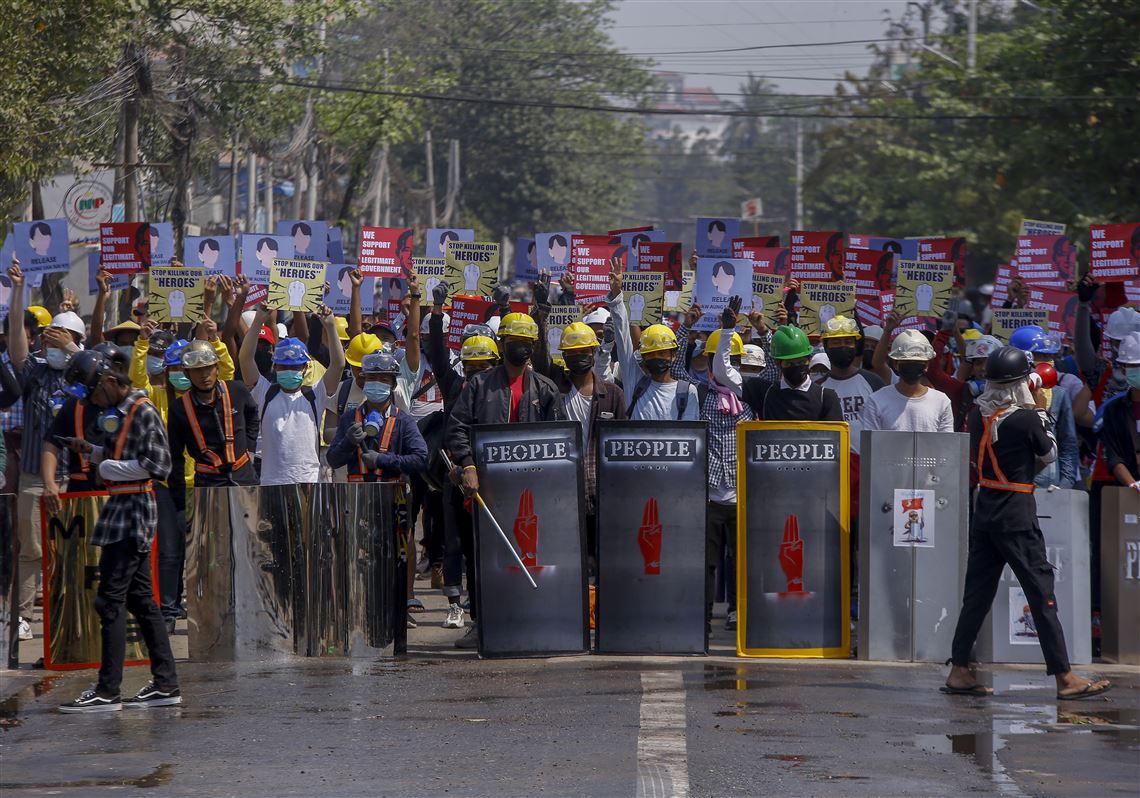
{"x": 730, "y": 621}
{"x": 151, "y": 696}
{"x": 437, "y": 576}
{"x": 25, "y": 630}
{"x": 412, "y": 624}
{"x": 454, "y": 617}
{"x": 469, "y": 640}
{"x": 90, "y": 701}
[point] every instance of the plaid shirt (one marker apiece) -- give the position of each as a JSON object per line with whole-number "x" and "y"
{"x": 41, "y": 381}
{"x": 13, "y": 417}
{"x": 136, "y": 514}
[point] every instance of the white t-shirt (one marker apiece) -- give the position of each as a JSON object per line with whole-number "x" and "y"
{"x": 430, "y": 400}
{"x": 887, "y": 409}
{"x": 853, "y": 395}
{"x": 577, "y": 409}
{"x": 289, "y": 436}
{"x": 658, "y": 403}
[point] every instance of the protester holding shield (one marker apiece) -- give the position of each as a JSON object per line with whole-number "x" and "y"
{"x": 795, "y": 397}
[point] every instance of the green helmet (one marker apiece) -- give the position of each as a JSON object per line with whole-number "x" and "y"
{"x": 790, "y": 343}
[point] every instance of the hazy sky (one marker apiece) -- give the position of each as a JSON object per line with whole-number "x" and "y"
{"x": 660, "y": 26}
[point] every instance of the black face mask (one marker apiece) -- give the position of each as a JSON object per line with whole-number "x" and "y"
{"x": 795, "y": 375}
{"x": 579, "y": 364}
{"x": 911, "y": 371}
{"x": 656, "y": 367}
{"x": 264, "y": 361}
{"x": 518, "y": 353}
{"x": 841, "y": 357}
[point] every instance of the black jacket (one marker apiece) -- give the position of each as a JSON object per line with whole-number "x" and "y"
{"x": 486, "y": 399}
{"x": 1117, "y": 432}
{"x": 449, "y": 382}
{"x": 772, "y": 402}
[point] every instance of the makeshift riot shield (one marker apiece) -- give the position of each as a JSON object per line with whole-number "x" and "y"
{"x": 792, "y": 583}
{"x": 9, "y": 604}
{"x": 915, "y": 489}
{"x": 652, "y": 503}
{"x": 530, "y": 478}
{"x": 1120, "y": 576}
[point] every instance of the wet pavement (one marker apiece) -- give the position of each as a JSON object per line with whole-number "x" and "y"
{"x": 442, "y": 722}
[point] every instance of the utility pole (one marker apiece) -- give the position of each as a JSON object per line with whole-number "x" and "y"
{"x": 130, "y": 158}
{"x": 251, "y": 193}
{"x": 430, "y": 178}
{"x": 799, "y": 174}
{"x": 971, "y": 36}
{"x": 377, "y": 189}
{"x": 269, "y": 223}
{"x": 231, "y": 215}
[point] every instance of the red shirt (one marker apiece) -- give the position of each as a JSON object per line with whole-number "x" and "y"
{"x": 516, "y": 397}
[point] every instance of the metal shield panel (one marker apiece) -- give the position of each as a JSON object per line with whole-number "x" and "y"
{"x": 530, "y": 476}
{"x": 652, "y": 503}
{"x": 368, "y": 525}
{"x": 792, "y": 538}
{"x": 9, "y": 643}
{"x": 1120, "y": 575}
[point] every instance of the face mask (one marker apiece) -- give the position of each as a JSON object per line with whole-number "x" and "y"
{"x": 154, "y": 365}
{"x": 657, "y": 367}
{"x": 377, "y": 392}
{"x": 1133, "y": 377}
{"x": 841, "y": 357}
{"x": 976, "y": 387}
{"x": 57, "y": 358}
{"x": 819, "y": 377}
{"x": 700, "y": 377}
{"x": 290, "y": 380}
{"x": 178, "y": 380}
{"x": 911, "y": 371}
{"x": 264, "y": 361}
{"x": 794, "y": 375}
{"x": 580, "y": 364}
{"x": 518, "y": 352}
{"x": 698, "y": 348}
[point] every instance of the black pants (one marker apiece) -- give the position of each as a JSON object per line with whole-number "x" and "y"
{"x": 992, "y": 546}
{"x": 459, "y": 532}
{"x": 431, "y": 501}
{"x": 124, "y": 585}
{"x": 171, "y": 543}
{"x": 1095, "y": 499}
{"x": 720, "y": 546}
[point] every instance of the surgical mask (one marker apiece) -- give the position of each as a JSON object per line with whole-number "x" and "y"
{"x": 911, "y": 371}
{"x": 154, "y": 365}
{"x": 657, "y": 367}
{"x": 841, "y": 357}
{"x": 377, "y": 392}
{"x": 290, "y": 380}
{"x": 579, "y": 364}
{"x": 819, "y": 377}
{"x": 1133, "y": 376}
{"x": 698, "y": 348}
{"x": 179, "y": 381}
{"x": 518, "y": 353}
{"x": 57, "y": 358}
{"x": 795, "y": 375}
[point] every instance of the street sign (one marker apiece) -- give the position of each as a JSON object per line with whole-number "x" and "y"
{"x": 751, "y": 209}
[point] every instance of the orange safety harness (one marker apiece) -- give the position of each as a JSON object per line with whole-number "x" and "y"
{"x": 214, "y": 464}
{"x": 986, "y": 450}
{"x": 363, "y": 474}
{"x": 123, "y": 488}
{"x": 84, "y": 463}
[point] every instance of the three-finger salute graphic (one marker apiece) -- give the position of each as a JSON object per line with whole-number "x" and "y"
{"x": 526, "y": 529}
{"x": 649, "y": 538}
{"x": 792, "y": 555}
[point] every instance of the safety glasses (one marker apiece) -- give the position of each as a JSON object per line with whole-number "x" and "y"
{"x": 198, "y": 359}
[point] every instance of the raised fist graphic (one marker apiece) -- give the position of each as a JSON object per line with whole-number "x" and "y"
{"x": 649, "y": 538}
{"x": 792, "y": 555}
{"x": 526, "y": 529}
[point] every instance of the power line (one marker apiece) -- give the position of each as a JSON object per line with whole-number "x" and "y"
{"x": 655, "y": 54}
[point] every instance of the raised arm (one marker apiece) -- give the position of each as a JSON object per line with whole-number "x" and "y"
{"x": 412, "y": 339}
{"x": 246, "y": 361}
{"x": 99, "y": 312}
{"x": 335, "y": 370}
{"x": 17, "y": 335}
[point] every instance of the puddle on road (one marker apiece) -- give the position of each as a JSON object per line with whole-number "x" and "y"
{"x": 12, "y": 706}
{"x": 159, "y": 777}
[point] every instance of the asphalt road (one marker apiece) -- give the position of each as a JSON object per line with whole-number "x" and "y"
{"x": 442, "y": 722}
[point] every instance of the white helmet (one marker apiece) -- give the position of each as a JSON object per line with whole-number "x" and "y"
{"x": 911, "y": 345}
{"x": 1120, "y": 322}
{"x": 70, "y": 321}
{"x": 493, "y": 323}
{"x": 1129, "y": 352}
{"x": 873, "y": 333}
{"x": 753, "y": 356}
{"x": 981, "y": 347}
{"x": 597, "y": 316}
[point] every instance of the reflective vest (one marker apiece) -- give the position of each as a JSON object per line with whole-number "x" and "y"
{"x": 986, "y": 451}
{"x": 215, "y": 464}
{"x": 362, "y": 474}
{"x": 123, "y": 488}
{"x": 84, "y": 463}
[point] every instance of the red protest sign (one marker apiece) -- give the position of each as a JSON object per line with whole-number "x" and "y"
{"x": 816, "y": 255}
{"x": 766, "y": 260}
{"x": 1114, "y": 252}
{"x": 662, "y": 256}
{"x": 472, "y": 310}
{"x": 386, "y": 251}
{"x": 742, "y": 246}
{"x": 590, "y": 267}
{"x": 1060, "y": 304}
{"x": 946, "y": 250}
{"x": 1046, "y": 260}
{"x": 124, "y": 247}
{"x": 256, "y": 295}
{"x": 869, "y": 270}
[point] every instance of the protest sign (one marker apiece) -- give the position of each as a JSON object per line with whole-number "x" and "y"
{"x": 1046, "y": 260}
{"x": 526, "y": 259}
{"x": 438, "y": 238}
{"x": 765, "y": 260}
{"x": 258, "y": 253}
{"x": 821, "y": 301}
{"x": 476, "y": 310}
{"x": 560, "y": 317}
{"x": 385, "y": 251}
{"x": 257, "y": 294}
{"x": 952, "y": 250}
{"x": 924, "y": 288}
{"x": 41, "y": 246}
{"x": 664, "y": 257}
{"x": 1006, "y": 320}
{"x": 1060, "y": 304}
{"x": 335, "y": 245}
{"x": 718, "y": 280}
{"x": 472, "y": 267}
{"x": 176, "y": 295}
{"x": 1114, "y": 252}
{"x": 869, "y": 270}
{"x": 744, "y": 247}
{"x": 816, "y": 255}
{"x": 430, "y": 272}
{"x": 118, "y": 281}
{"x": 633, "y": 240}
{"x": 553, "y": 252}
{"x": 310, "y": 239}
{"x": 124, "y": 247}
{"x": 214, "y": 255}
{"x": 903, "y": 248}
{"x": 768, "y": 296}
{"x": 1034, "y": 227}
{"x": 161, "y": 243}
{"x": 1005, "y": 273}
{"x": 296, "y": 285}
{"x": 339, "y": 296}
{"x": 644, "y": 296}
{"x": 714, "y": 236}
{"x": 590, "y": 267}
{"x": 680, "y": 300}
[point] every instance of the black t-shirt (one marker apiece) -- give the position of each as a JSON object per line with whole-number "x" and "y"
{"x": 1021, "y": 438}
{"x": 80, "y": 473}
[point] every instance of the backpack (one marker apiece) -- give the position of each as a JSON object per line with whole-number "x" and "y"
{"x": 682, "y": 395}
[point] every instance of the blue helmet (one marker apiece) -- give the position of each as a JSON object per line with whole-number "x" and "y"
{"x": 1031, "y": 338}
{"x": 173, "y": 354}
{"x": 290, "y": 352}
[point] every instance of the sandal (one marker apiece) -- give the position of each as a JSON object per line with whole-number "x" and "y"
{"x": 1088, "y": 691}
{"x": 415, "y": 605}
{"x": 975, "y": 690}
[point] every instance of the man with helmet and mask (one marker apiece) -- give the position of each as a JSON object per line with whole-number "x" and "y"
{"x": 1064, "y": 471}
{"x": 970, "y": 380}
{"x": 135, "y": 455}
{"x": 796, "y": 397}
{"x": 1011, "y": 435}
{"x": 1118, "y": 423}
{"x": 909, "y": 405}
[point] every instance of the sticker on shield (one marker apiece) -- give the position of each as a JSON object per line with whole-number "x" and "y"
{"x": 649, "y": 538}
{"x": 913, "y": 518}
{"x": 1022, "y": 628}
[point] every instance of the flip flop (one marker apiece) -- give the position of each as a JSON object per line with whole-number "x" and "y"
{"x": 976, "y": 690}
{"x": 1088, "y": 691}
{"x": 415, "y": 605}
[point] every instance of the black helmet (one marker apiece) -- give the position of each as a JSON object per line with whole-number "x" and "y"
{"x": 1007, "y": 364}
{"x": 84, "y": 371}
{"x": 116, "y": 360}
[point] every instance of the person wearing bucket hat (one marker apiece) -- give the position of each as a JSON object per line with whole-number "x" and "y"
{"x": 909, "y": 406}
{"x": 795, "y": 397}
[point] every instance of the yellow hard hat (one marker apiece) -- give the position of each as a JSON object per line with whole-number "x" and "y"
{"x": 735, "y": 348}
{"x": 479, "y": 347}
{"x": 342, "y": 328}
{"x": 578, "y": 336}
{"x": 519, "y": 325}
{"x": 359, "y": 346}
{"x": 840, "y": 327}
{"x": 43, "y": 316}
{"x": 971, "y": 334}
{"x": 657, "y": 338}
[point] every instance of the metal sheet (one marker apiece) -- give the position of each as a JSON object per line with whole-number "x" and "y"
{"x": 652, "y": 504}
{"x": 9, "y": 600}
{"x": 1120, "y": 575}
{"x": 530, "y": 476}
{"x": 793, "y": 581}
{"x": 1063, "y": 516}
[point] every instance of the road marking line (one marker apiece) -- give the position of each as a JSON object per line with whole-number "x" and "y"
{"x": 662, "y": 754}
